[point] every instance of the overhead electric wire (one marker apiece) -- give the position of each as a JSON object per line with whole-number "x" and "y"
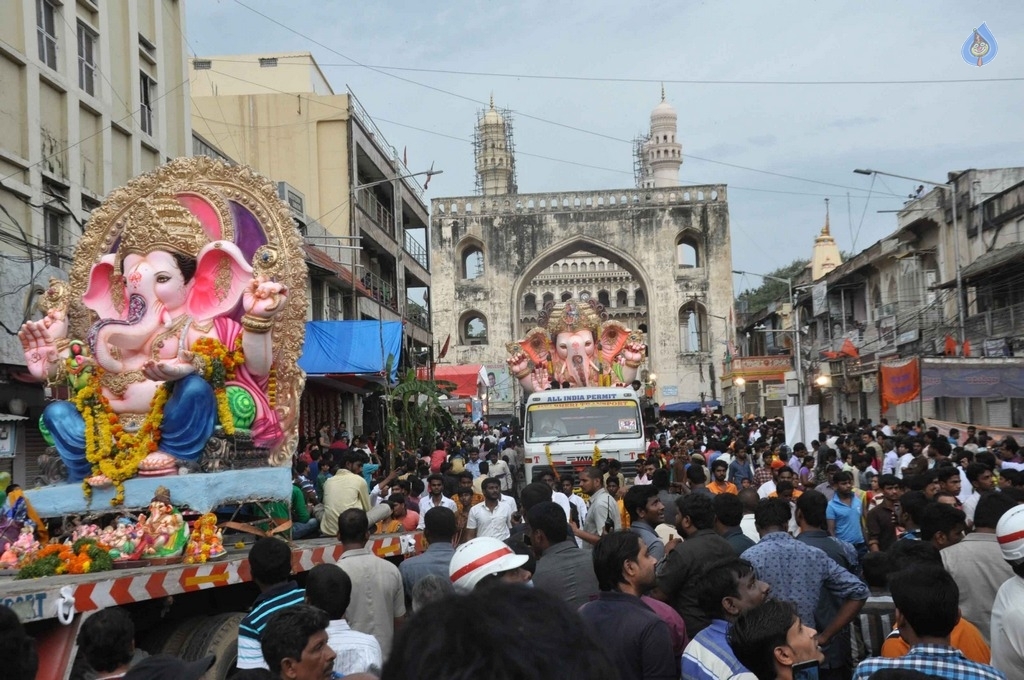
{"x": 521, "y": 113}
{"x": 669, "y": 81}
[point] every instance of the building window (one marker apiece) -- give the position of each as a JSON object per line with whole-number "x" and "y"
{"x": 147, "y": 86}
{"x": 268, "y": 62}
{"x": 46, "y": 27}
{"x": 472, "y": 263}
{"x": 693, "y": 328}
{"x": 530, "y": 303}
{"x": 86, "y": 58}
{"x": 53, "y": 226}
{"x": 202, "y": 64}
{"x": 474, "y": 329}
{"x": 688, "y": 252}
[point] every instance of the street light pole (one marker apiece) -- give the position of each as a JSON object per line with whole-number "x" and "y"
{"x": 798, "y": 359}
{"x": 951, "y": 188}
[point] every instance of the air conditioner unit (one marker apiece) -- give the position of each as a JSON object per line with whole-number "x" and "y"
{"x": 295, "y": 199}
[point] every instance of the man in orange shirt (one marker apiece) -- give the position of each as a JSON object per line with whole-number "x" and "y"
{"x": 718, "y": 485}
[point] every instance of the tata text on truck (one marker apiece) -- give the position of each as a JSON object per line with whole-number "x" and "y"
{"x": 562, "y": 427}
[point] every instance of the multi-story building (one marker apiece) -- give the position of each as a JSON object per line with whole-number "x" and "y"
{"x": 93, "y": 95}
{"x": 947, "y": 298}
{"x": 359, "y": 207}
{"x": 665, "y": 250}
{"x": 583, "y": 276}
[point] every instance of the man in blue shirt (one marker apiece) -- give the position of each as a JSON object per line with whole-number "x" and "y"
{"x": 740, "y": 468}
{"x": 927, "y": 603}
{"x": 800, "y": 574}
{"x": 730, "y": 587}
{"x": 439, "y": 528}
{"x": 270, "y": 562}
{"x": 845, "y": 512}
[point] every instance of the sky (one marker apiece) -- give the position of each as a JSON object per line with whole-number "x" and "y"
{"x": 778, "y": 100}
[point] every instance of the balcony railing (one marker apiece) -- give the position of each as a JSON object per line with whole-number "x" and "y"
{"x": 416, "y": 314}
{"x": 380, "y": 215}
{"x": 995, "y": 323}
{"x": 416, "y": 250}
{"x": 380, "y": 290}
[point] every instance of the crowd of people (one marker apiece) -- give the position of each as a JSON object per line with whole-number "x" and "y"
{"x": 875, "y": 551}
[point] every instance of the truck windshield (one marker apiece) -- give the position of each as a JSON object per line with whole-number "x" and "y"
{"x": 545, "y": 422}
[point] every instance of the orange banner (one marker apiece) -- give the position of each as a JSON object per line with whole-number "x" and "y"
{"x": 900, "y": 382}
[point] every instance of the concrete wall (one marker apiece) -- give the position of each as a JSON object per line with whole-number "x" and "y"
{"x": 236, "y": 74}
{"x": 300, "y": 141}
{"x": 57, "y": 137}
{"x": 522, "y": 235}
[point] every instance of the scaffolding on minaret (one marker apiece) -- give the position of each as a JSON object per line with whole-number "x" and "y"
{"x": 641, "y": 164}
{"x": 479, "y": 134}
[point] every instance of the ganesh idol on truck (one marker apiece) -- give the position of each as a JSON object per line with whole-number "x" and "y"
{"x": 176, "y": 321}
{"x": 575, "y": 368}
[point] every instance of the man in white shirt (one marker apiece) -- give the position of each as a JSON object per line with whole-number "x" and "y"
{"x": 435, "y": 499}
{"x": 891, "y": 461}
{"x": 574, "y": 500}
{"x": 498, "y": 468}
{"x": 906, "y": 454}
{"x": 491, "y": 518}
{"x": 329, "y": 589}
{"x": 548, "y": 477}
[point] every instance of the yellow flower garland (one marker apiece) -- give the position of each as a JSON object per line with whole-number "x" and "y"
{"x": 111, "y": 450}
{"x": 220, "y": 366}
{"x": 115, "y": 453}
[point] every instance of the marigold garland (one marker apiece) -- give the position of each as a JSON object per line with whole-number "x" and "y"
{"x": 220, "y": 366}
{"x": 110, "y": 449}
{"x": 116, "y": 453}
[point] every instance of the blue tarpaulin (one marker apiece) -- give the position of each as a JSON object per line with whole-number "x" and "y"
{"x": 351, "y": 348}
{"x": 688, "y": 406}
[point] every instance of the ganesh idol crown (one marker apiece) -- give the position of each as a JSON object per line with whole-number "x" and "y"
{"x": 576, "y": 345}
{"x": 177, "y": 332}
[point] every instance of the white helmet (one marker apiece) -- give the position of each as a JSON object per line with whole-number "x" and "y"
{"x": 1010, "y": 534}
{"x": 479, "y": 558}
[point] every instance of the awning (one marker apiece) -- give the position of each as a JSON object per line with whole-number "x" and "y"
{"x": 466, "y": 378}
{"x": 352, "y": 350}
{"x": 320, "y": 259}
{"x": 689, "y": 406}
{"x": 990, "y": 264}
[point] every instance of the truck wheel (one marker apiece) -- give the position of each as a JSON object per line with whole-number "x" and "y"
{"x": 219, "y": 636}
{"x": 174, "y": 636}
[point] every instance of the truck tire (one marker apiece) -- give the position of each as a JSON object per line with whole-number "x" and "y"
{"x": 171, "y": 638}
{"x": 218, "y": 636}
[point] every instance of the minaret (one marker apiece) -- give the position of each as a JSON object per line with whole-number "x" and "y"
{"x": 495, "y": 165}
{"x": 826, "y": 255}
{"x": 664, "y": 154}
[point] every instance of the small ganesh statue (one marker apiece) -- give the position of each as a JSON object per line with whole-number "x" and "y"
{"x": 179, "y": 318}
{"x": 576, "y": 345}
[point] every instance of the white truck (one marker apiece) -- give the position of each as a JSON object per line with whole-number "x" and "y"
{"x": 562, "y": 427}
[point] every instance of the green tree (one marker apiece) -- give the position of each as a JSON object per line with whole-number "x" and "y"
{"x": 772, "y": 290}
{"x": 415, "y": 409}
